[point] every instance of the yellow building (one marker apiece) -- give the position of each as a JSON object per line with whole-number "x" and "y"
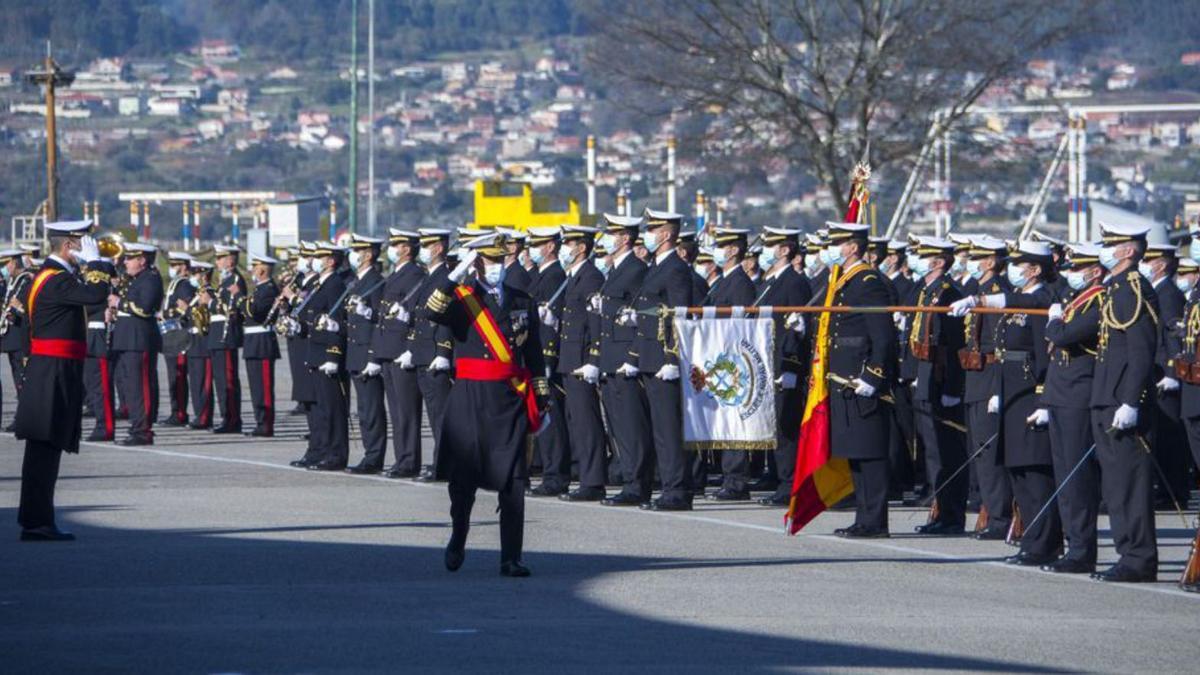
{"x": 510, "y": 204}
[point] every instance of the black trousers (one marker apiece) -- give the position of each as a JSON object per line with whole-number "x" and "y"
{"x": 261, "y": 374}
{"x": 200, "y": 381}
{"x": 1127, "y": 487}
{"x": 789, "y": 413}
{"x": 329, "y": 433}
{"x": 404, "y": 410}
{"x": 177, "y": 386}
{"x": 1192, "y": 426}
{"x": 512, "y": 515}
{"x": 435, "y": 389}
{"x": 1169, "y": 440}
{"x": 585, "y": 429}
{"x": 1032, "y": 487}
{"x": 39, "y": 474}
{"x": 137, "y": 376}
{"x": 1079, "y": 499}
{"x": 553, "y": 445}
{"x": 944, "y": 455}
{"x": 98, "y": 388}
{"x": 629, "y": 420}
{"x": 372, "y": 418}
{"x": 902, "y": 442}
{"x": 995, "y": 482}
{"x": 870, "y": 477}
{"x": 666, "y": 433}
{"x": 227, "y": 382}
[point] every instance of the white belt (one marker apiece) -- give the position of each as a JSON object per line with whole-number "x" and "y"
{"x": 99, "y": 325}
{"x": 217, "y": 318}
{"x": 124, "y": 314}
{"x": 256, "y": 330}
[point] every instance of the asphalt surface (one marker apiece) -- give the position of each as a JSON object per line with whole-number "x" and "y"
{"x": 209, "y": 554}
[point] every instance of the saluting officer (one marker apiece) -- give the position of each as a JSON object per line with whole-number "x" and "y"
{"x": 783, "y": 286}
{"x": 497, "y": 397}
{"x": 934, "y": 341}
{"x": 200, "y": 368}
{"x": 362, "y": 314}
{"x": 260, "y": 347}
{"x": 97, "y": 370}
{"x": 549, "y": 280}
{"x": 176, "y": 338}
{"x": 390, "y": 340}
{"x": 137, "y": 341}
{"x": 225, "y": 338}
{"x": 50, "y": 407}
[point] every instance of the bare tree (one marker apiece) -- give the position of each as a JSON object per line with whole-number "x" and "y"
{"x": 818, "y": 82}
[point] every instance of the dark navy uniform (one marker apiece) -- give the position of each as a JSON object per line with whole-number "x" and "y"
{"x": 15, "y": 340}
{"x": 200, "y": 365}
{"x": 389, "y": 341}
{"x": 297, "y": 344}
{"x": 581, "y": 415}
{"x": 98, "y": 379}
{"x": 137, "y": 341}
{"x": 362, "y": 312}
{"x": 260, "y": 349}
{"x": 903, "y": 443}
{"x": 553, "y": 445}
{"x": 1186, "y": 367}
{"x": 1168, "y": 437}
{"x": 175, "y": 345}
{"x": 732, "y": 289}
{"x": 50, "y": 407}
{"x": 328, "y": 419}
{"x": 428, "y": 341}
{"x": 224, "y": 341}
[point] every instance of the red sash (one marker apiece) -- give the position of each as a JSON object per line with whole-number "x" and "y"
{"x": 54, "y": 347}
{"x": 502, "y": 368}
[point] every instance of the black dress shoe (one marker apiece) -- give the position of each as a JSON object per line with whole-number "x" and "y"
{"x": 427, "y": 475}
{"x": 1123, "y": 575}
{"x": 259, "y": 433}
{"x": 132, "y": 441}
{"x": 199, "y": 427}
{"x": 99, "y": 437}
{"x": 867, "y": 533}
{"x": 301, "y": 463}
{"x": 227, "y": 430}
{"x": 622, "y": 499}
{"x": 544, "y": 490}
{"x": 583, "y": 495}
{"x": 1070, "y": 566}
{"x": 940, "y": 529}
{"x": 1027, "y": 559}
{"x": 326, "y": 466}
{"x": 46, "y": 534}
{"x": 727, "y": 495}
{"x": 846, "y": 531}
{"x": 763, "y": 485}
{"x": 776, "y": 500}
{"x": 455, "y": 555}
{"x": 514, "y": 569}
{"x": 662, "y": 504}
{"x": 992, "y": 534}
{"x": 172, "y": 422}
{"x": 395, "y": 472}
{"x": 361, "y": 470}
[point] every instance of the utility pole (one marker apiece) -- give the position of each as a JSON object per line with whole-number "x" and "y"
{"x": 371, "y": 116}
{"x": 51, "y": 76}
{"x": 352, "y": 219}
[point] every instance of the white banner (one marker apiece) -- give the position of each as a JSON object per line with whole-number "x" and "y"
{"x": 728, "y": 383}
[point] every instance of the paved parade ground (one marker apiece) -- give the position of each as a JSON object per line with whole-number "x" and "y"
{"x": 209, "y": 554}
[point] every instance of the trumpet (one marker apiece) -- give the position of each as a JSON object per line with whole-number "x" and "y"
{"x": 111, "y": 245}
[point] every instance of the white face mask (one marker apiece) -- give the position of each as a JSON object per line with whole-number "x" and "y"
{"x": 651, "y": 242}
{"x": 812, "y": 264}
{"x": 833, "y": 256}
{"x": 355, "y": 259}
{"x": 1194, "y": 250}
{"x": 1108, "y": 257}
{"x": 194, "y": 282}
{"x": 424, "y": 256}
{"x": 1016, "y": 276}
{"x": 608, "y": 242}
{"x": 566, "y": 256}
{"x": 393, "y": 255}
{"x": 318, "y": 265}
{"x": 1145, "y": 270}
{"x": 767, "y": 258}
{"x": 172, "y": 273}
{"x": 601, "y": 264}
{"x": 720, "y": 257}
{"x": 974, "y": 269}
{"x": 1183, "y": 284}
{"x": 958, "y": 267}
{"x": 922, "y": 266}
{"x": 493, "y": 273}
{"x": 1076, "y": 280}
{"x": 536, "y": 255}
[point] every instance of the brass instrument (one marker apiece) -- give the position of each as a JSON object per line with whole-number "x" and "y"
{"x": 14, "y": 291}
{"x": 201, "y": 315}
{"x": 112, "y": 245}
{"x": 287, "y": 280}
{"x": 118, "y": 289}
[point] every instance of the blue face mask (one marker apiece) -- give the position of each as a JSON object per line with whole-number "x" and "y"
{"x": 536, "y": 255}
{"x": 958, "y": 267}
{"x": 834, "y": 256}
{"x": 812, "y": 264}
{"x": 1076, "y": 281}
{"x": 1108, "y": 258}
{"x": 921, "y": 266}
{"x": 608, "y": 242}
{"x": 601, "y": 264}
{"x": 1145, "y": 270}
{"x": 911, "y": 259}
{"x": 650, "y": 241}
{"x": 493, "y": 273}
{"x": 766, "y": 259}
{"x": 719, "y": 257}
{"x": 1183, "y": 284}
{"x": 974, "y": 269}
{"x": 424, "y": 256}
{"x": 1016, "y": 276}
{"x": 565, "y": 256}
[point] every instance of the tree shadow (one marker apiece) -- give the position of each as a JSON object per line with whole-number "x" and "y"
{"x": 203, "y": 600}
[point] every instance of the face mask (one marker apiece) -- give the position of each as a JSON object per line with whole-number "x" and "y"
{"x": 958, "y": 267}
{"x": 1016, "y": 276}
{"x": 921, "y": 268}
{"x": 823, "y": 257}
{"x": 536, "y": 255}
{"x": 812, "y": 265}
{"x": 493, "y": 273}
{"x": 225, "y": 274}
{"x": 608, "y": 242}
{"x": 1183, "y": 284}
{"x": 318, "y": 265}
{"x": 1108, "y": 258}
{"x": 834, "y": 256}
{"x": 566, "y": 257}
{"x": 702, "y": 270}
{"x": 1145, "y": 270}
{"x": 651, "y": 243}
{"x": 766, "y": 259}
{"x": 911, "y": 259}
{"x": 974, "y": 269}
{"x": 355, "y": 259}
{"x": 1076, "y": 281}
{"x": 424, "y": 256}
{"x": 720, "y": 257}
{"x": 194, "y": 282}
{"x": 601, "y": 264}
{"x": 172, "y": 273}
{"x": 394, "y": 255}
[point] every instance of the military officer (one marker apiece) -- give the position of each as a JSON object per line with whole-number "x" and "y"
{"x": 137, "y": 341}
{"x": 390, "y": 340}
{"x": 497, "y": 397}
{"x": 654, "y": 357}
{"x": 362, "y": 315}
{"x": 49, "y": 411}
{"x": 549, "y": 282}
{"x": 200, "y": 370}
{"x": 225, "y": 338}
{"x": 97, "y": 370}
{"x": 1168, "y": 437}
{"x": 934, "y": 341}
{"x": 176, "y": 339}
{"x": 14, "y": 326}
{"x": 260, "y": 347}
{"x": 623, "y": 399}
{"x": 323, "y": 315}
{"x": 514, "y": 270}
{"x": 297, "y": 339}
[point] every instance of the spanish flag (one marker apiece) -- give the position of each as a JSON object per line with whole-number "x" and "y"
{"x": 820, "y": 480}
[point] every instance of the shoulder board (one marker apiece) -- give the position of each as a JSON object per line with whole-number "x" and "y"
{"x": 1133, "y": 275}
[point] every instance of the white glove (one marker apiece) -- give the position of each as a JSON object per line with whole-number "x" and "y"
{"x": 328, "y": 368}
{"x": 964, "y": 306}
{"x": 795, "y": 322}
{"x": 950, "y": 401}
{"x": 995, "y": 300}
{"x": 594, "y": 303}
{"x": 1126, "y": 417}
{"x": 627, "y": 317}
{"x": 89, "y": 250}
{"x": 1039, "y": 418}
{"x": 627, "y": 370}
{"x": 1056, "y": 312}
{"x": 862, "y": 388}
{"x": 372, "y": 369}
{"x": 787, "y": 381}
{"x": 327, "y": 324}
{"x": 547, "y": 317}
{"x": 1167, "y": 384}
{"x": 994, "y": 405}
{"x": 588, "y": 373}
{"x": 900, "y": 319}
{"x": 668, "y": 373}
{"x": 402, "y": 314}
{"x": 464, "y": 266}
{"x": 405, "y": 360}
{"x": 363, "y": 310}
{"x": 439, "y": 363}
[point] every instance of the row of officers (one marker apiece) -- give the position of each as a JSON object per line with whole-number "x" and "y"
{"x": 1088, "y": 402}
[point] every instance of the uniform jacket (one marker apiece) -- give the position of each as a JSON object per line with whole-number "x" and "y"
{"x": 360, "y": 330}
{"x": 940, "y": 375}
{"x": 1128, "y": 340}
{"x": 258, "y": 339}
{"x": 16, "y": 338}
{"x": 788, "y": 288}
{"x": 390, "y": 338}
{"x": 668, "y": 283}
{"x": 1073, "y": 343}
{"x": 575, "y": 337}
{"x": 1170, "y": 342}
{"x": 224, "y": 307}
{"x": 550, "y": 277}
{"x": 611, "y": 342}
{"x": 980, "y": 333}
{"x": 1024, "y": 359}
{"x": 325, "y": 345}
{"x": 136, "y": 329}
{"x": 428, "y": 339}
{"x": 179, "y": 289}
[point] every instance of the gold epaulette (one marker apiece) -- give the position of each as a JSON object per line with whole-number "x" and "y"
{"x": 874, "y": 370}
{"x": 446, "y": 344}
{"x": 135, "y": 310}
{"x": 439, "y": 301}
{"x": 95, "y": 277}
{"x": 334, "y": 350}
